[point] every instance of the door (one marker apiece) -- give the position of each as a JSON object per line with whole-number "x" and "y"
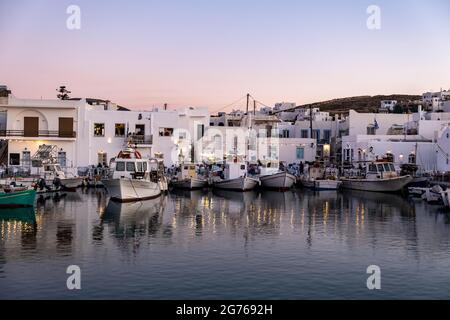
{"x": 31, "y": 126}
{"x": 65, "y": 127}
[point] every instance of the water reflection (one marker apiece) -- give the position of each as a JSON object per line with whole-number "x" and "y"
{"x": 201, "y": 230}
{"x": 130, "y": 223}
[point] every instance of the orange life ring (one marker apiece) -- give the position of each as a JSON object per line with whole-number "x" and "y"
{"x": 138, "y": 155}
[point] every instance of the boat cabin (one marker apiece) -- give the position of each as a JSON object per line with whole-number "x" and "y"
{"x": 129, "y": 164}
{"x": 53, "y": 170}
{"x": 187, "y": 171}
{"x": 269, "y": 168}
{"x": 235, "y": 170}
{"x": 381, "y": 170}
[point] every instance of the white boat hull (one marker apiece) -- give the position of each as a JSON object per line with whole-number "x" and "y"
{"x": 446, "y": 198}
{"x": 322, "y": 184}
{"x": 282, "y": 180}
{"x": 190, "y": 184}
{"x": 238, "y": 184}
{"x": 432, "y": 197}
{"x": 128, "y": 190}
{"x": 72, "y": 183}
{"x": 377, "y": 185}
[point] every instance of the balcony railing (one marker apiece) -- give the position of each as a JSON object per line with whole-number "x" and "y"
{"x": 140, "y": 139}
{"x": 40, "y": 133}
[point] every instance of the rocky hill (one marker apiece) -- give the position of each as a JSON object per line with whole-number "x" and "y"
{"x": 362, "y": 103}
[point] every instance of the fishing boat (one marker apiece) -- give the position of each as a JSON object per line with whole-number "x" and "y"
{"x": 416, "y": 192}
{"x": 433, "y": 195}
{"x": 419, "y": 180}
{"x": 133, "y": 178}
{"x": 19, "y": 199}
{"x": 272, "y": 177}
{"x": 378, "y": 177}
{"x": 446, "y": 198}
{"x": 188, "y": 178}
{"x": 235, "y": 178}
{"x": 53, "y": 174}
{"x": 320, "y": 178}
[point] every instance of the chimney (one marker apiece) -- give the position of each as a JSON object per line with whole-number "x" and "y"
{"x": 165, "y": 106}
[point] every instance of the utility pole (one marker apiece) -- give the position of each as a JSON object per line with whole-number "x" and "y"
{"x": 248, "y": 101}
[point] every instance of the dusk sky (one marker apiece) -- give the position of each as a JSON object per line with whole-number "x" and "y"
{"x": 210, "y": 53}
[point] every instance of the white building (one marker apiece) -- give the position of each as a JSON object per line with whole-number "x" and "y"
{"x": 387, "y": 106}
{"x": 437, "y": 101}
{"x": 31, "y": 123}
{"x": 89, "y": 131}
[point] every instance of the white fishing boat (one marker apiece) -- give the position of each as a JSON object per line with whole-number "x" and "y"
{"x": 188, "y": 178}
{"x": 53, "y": 171}
{"x": 319, "y": 178}
{"x": 446, "y": 198}
{"x": 272, "y": 177}
{"x": 416, "y": 191}
{"x": 433, "y": 195}
{"x": 235, "y": 178}
{"x": 378, "y": 177}
{"x": 133, "y": 178}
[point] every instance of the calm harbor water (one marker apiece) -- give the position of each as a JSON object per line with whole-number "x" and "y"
{"x": 224, "y": 245}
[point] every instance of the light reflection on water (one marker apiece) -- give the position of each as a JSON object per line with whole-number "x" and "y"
{"x": 208, "y": 245}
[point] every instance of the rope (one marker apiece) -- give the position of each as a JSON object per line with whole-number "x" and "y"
{"x": 229, "y": 105}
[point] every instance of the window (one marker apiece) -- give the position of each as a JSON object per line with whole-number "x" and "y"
{"x": 144, "y": 165}
{"x": 243, "y": 167}
{"x": 139, "y": 166}
{"x": 300, "y": 152}
{"x": 62, "y": 158}
{"x": 412, "y": 158}
{"x": 285, "y": 133}
{"x": 304, "y": 134}
{"x": 200, "y": 131}
{"x": 119, "y": 129}
{"x": 373, "y": 168}
{"x": 371, "y": 130}
{"x": 182, "y": 135}
{"x": 327, "y": 136}
{"x": 102, "y": 158}
{"x": 380, "y": 168}
{"x": 14, "y": 159}
{"x": 386, "y": 167}
{"x": 316, "y": 135}
{"x": 120, "y": 166}
{"x": 140, "y": 129}
{"x": 165, "y": 132}
{"x": 99, "y": 129}
{"x": 130, "y": 167}
{"x": 392, "y": 167}
{"x": 26, "y": 158}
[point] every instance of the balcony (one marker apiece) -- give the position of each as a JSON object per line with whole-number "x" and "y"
{"x": 39, "y": 134}
{"x": 138, "y": 139}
